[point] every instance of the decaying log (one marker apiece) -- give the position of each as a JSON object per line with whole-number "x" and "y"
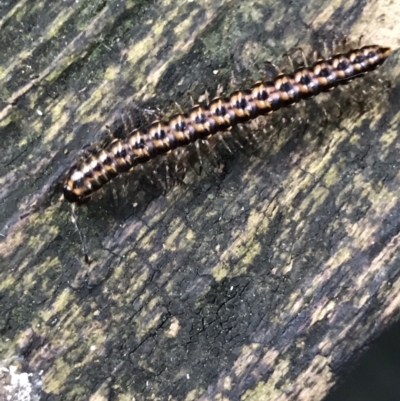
{"x": 258, "y": 278}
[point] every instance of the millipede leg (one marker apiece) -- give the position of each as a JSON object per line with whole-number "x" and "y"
{"x": 292, "y": 53}
{"x": 179, "y": 107}
{"x": 275, "y": 69}
{"x": 232, "y": 82}
{"x": 219, "y": 90}
{"x": 289, "y": 58}
{"x": 222, "y": 140}
{"x": 303, "y": 56}
{"x": 345, "y": 42}
{"x": 126, "y": 122}
{"x": 192, "y": 102}
{"x": 205, "y": 97}
{"x": 168, "y": 184}
{"x": 200, "y": 158}
{"x": 360, "y": 39}
{"x": 326, "y": 50}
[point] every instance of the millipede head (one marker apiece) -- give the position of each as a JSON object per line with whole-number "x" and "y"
{"x": 75, "y": 188}
{"x": 73, "y": 197}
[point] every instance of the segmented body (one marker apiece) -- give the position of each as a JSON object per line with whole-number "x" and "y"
{"x": 91, "y": 173}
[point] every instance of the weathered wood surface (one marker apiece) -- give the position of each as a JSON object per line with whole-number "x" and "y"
{"x": 256, "y": 283}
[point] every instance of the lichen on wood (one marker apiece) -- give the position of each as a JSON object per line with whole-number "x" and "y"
{"x": 260, "y": 277}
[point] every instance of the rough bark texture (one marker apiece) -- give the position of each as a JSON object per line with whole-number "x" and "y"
{"x": 258, "y": 281}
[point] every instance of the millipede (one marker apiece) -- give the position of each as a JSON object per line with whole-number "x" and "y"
{"x": 92, "y": 172}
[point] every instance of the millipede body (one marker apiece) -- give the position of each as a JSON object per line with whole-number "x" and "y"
{"x": 90, "y": 173}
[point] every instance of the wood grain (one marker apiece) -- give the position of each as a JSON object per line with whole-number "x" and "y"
{"x": 258, "y": 281}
